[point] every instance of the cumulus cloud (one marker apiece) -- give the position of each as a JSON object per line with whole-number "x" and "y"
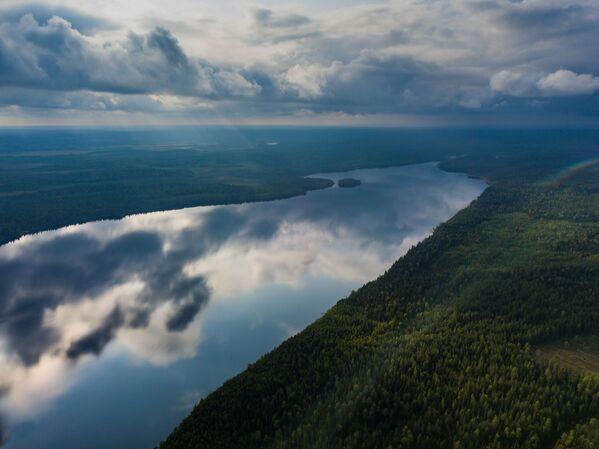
{"x": 515, "y": 83}
{"x": 308, "y": 81}
{"x": 399, "y": 57}
{"x": 566, "y": 82}
{"x": 56, "y": 56}
{"x": 558, "y": 83}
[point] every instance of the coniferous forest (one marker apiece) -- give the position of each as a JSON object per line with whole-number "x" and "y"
{"x": 448, "y": 348}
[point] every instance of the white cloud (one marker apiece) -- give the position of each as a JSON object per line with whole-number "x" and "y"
{"x": 309, "y": 81}
{"x": 559, "y": 83}
{"x": 566, "y": 82}
{"x": 517, "y": 84}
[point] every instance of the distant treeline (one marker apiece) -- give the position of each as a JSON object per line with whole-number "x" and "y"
{"x": 53, "y": 178}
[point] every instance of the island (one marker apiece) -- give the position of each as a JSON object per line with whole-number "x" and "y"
{"x": 348, "y": 183}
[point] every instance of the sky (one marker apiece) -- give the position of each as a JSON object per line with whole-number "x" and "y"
{"x": 404, "y": 62}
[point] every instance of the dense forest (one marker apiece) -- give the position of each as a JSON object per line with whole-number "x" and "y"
{"x": 444, "y": 349}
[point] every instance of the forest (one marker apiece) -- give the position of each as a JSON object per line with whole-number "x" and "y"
{"x": 446, "y": 348}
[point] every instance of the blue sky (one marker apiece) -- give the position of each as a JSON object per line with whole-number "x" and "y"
{"x": 408, "y": 62}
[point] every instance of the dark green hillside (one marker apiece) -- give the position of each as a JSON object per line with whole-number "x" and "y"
{"x": 442, "y": 350}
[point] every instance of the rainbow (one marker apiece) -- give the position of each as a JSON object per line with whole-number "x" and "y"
{"x": 572, "y": 170}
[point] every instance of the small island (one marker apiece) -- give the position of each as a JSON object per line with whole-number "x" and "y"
{"x": 347, "y": 183}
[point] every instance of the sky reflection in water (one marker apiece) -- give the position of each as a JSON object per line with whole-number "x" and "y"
{"x": 111, "y": 331}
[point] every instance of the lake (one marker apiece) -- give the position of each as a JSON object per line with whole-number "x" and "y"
{"x": 111, "y": 331}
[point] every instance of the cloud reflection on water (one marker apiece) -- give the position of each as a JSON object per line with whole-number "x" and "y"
{"x": 140, "y": 283}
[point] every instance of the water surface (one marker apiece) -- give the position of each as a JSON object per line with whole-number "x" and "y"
{"x": 111, "y": 331}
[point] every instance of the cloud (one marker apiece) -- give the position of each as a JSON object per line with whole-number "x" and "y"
{"x": 559, "y": 83}
{"x": 535, "y": 20}
{"x": 409, "y": 57}
{"x": 56, "y": 56}
{"x": 566, "y": 82}
{"x": 168, "y": 45}
{"x": 270, "y": 27}
{"x": 266, "y": 18}
{"x": 515, "y": 83}
{"x": 85, "y": 23}
{"x": 308, "y": 81}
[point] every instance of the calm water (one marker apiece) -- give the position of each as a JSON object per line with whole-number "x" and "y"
{"x": 113, "y": 330}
